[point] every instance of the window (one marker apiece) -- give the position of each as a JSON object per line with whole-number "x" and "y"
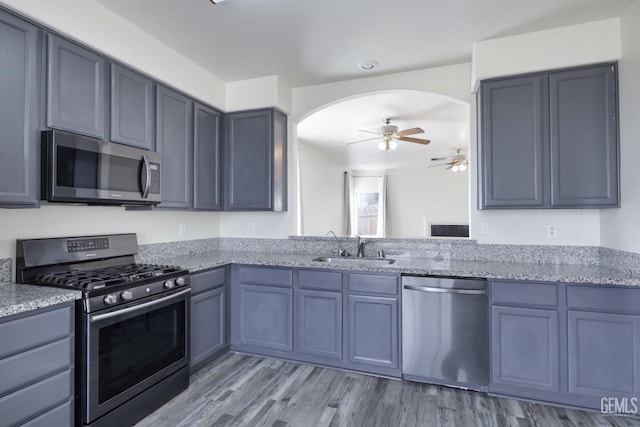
{"x": 368, "y": 202}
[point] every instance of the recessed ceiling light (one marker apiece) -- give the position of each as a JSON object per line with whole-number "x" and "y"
{"x": 367, "y": 65}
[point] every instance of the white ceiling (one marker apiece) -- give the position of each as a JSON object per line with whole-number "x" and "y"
{"x": 445, "y": 122}
{"x": 309, "y": 41}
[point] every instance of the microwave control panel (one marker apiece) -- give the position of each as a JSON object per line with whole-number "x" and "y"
{"x": 154, "y": 186}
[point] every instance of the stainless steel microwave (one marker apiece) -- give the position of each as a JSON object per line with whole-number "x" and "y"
{"x": 78, "y": 169}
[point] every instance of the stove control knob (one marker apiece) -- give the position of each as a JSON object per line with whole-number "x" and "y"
{"x": 126, "y": 295}
{"x": 181, "y": 281}
{"x": 169, "y": 284}
{"x": 110, "y": 299}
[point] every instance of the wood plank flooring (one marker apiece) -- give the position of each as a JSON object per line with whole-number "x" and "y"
{"x": 243, "y": 390}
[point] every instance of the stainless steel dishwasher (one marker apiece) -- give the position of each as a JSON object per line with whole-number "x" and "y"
{"x": 445, "y": 331}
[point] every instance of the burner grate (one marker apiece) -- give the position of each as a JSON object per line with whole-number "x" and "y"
{"x": 100, "y": 278}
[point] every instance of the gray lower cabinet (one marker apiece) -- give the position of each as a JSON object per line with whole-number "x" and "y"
{"x": 564, "y": 343}
{"x": 372, "y": 330}
{"x": 132, "y": 108}
{"x": 262, "y": 309}
{"x": 526, "y": 350}
{"x": 19, "y": 170}
{"x": 76, "y": 88}
{"x": 550, "y": 140}
{"x": 207, "y": 166}
{"x": 208, "y": 316}
{"x": 604, "y": 343}
{"x": 174, "y": 141}
{"x": 318, "y": 315}
{"x": 329, "y": 317}
{"x": 255, "y": 146}
{"x": 36, "y": 367}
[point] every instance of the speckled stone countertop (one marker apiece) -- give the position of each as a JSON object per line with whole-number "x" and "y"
{"x": 16, "y": 298}
{"x": 570, "y": 273}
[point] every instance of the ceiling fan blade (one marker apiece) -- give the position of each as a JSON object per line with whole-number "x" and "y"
{"x": 362, "y": 140}
{"x": 412, "y": 131}
{"x": 438, "y": 159}
{"x": 416, "y": 140}
{"x": 368, "y": 131}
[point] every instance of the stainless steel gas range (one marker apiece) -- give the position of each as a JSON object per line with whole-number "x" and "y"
{"x": 132, "y": 323}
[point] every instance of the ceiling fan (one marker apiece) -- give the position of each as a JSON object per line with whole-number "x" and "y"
{"x": 389, "y": 134}
{"x": 458, "y": 162}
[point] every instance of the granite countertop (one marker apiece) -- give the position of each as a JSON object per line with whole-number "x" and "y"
{"x": 569, "y": 273}
{"x": 16, "y": 298}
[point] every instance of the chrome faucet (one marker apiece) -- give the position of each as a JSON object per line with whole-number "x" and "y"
{"x": 361, "y": 243}
{"x": 341, "y": 251}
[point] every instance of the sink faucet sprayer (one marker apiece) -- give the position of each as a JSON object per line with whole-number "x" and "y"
{"x": 341, "y": 251}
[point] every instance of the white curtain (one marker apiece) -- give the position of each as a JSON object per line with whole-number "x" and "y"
{"x": 383, "y": 210}
{"x": 349, "y": 210}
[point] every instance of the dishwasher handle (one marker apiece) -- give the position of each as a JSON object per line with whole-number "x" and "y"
{"x": 445, "y": 290}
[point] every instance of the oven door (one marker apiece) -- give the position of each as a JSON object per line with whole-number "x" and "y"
{"x": 130, "y": 348}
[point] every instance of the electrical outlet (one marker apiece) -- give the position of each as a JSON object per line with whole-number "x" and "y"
{"x": 484, "y": 228}
{"x": 551, "y": 231}
{"x": 182, "y": 229}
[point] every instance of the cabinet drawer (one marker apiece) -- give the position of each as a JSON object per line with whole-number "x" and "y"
{"x": 611, "y": 299}
{"x": 373, "y": 284}
{"x": 207, "y": 280}
{"x": 59, "y": 416}
{"x": 524, "y": 293}
{"x": 265, "y": 276}
{"x": 25, "y": 368}
{"x": 34, "y": 330}
{"x": 320, "y": 280}
{"x": 36, "y": 398}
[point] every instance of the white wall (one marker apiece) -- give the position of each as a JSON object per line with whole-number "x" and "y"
{"x": 63, "y": 220}
{"x": 421, "y": 196}
{"x": 589, "y": 43}
{"x": 94, "y": 25}
{"x": 271, "y": 91}
{"x": 322, "y": 186}
{"x": 619, "y": 227}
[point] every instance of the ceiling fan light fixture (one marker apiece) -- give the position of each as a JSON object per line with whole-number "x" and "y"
{"x": 382, "y": 146}
{"x": 393, "y": 145}
{"x": 455, "y": 168}
{"x": 462, "y": 167}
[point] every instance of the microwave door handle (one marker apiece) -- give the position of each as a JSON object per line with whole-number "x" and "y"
{"x": 147, "y": 175}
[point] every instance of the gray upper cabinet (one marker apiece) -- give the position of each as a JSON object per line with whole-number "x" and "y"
{"x": 513, "y": 142}
{"x": 206, "y": 159}
{"x": 584, "y": 138}
{"x": 550, "y": 140}
{"x": 132, "y": 108}
{"x": 19, "y": 165}
{"x": 174, "y": 141}
{"x": 76, "y": 94}
{"x": 256, "y": 160}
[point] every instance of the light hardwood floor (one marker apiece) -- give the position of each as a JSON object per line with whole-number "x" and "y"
{"x": 242, "y": 390}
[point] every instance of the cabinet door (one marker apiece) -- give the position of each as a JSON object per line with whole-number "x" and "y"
{"x": 513, "y": 142}
{"x": 207, "y": 325}
{"x": 584, "y": 137}
{"x": 372, "y": 331}
{"x": 249, "y": 147}
{"x": 207, "y": 170}
{"x": 525, "y": 352}
{"x": 76, "y": 82}
{"x": 265, "y": 317}
{"x": 132, "y": 108}
{"x": 319, "y": 323}
{"x": 603, "y": 356}
{"x": 19, "y": 167}
{"x": 175, "y": 143}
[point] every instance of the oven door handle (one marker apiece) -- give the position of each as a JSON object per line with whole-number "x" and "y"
{"x": 99, "y": 317}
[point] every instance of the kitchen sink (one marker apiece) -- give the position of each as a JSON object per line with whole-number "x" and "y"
{"x": 355, "y": 260}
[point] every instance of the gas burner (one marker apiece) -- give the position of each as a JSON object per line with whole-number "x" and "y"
{"x": 104, "y": 277}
